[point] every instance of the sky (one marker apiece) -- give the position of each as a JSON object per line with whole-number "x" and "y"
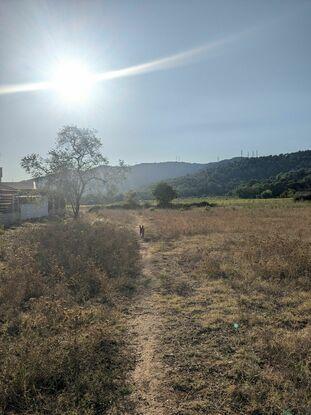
{"x": 241, "y": 79}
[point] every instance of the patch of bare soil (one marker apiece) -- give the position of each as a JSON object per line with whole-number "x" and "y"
{"x": 145, "y": 325}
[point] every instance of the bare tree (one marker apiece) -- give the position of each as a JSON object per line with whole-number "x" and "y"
{"x": 72, "y": 164}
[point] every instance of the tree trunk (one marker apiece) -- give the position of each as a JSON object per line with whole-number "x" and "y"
{"x": 76, "y": 209}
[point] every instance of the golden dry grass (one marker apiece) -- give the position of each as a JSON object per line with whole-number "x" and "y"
{"x": 171, "y": 224}
{"x": 236, "y": 299}
{"x": 63, "y": 287}
{"x": 223, "y": 309}
{"x": 118, "y": 217}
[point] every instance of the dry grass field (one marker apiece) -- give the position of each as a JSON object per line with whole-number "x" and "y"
{"x": 217, "y": 322}
{"x": 235, "y": 298}
{"x": 63, "y": 288}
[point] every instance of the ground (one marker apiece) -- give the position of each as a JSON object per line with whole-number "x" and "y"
{"x": 208, "y": 314}
{"x": 221, "y": 324}
{"x": 145, "y": 327}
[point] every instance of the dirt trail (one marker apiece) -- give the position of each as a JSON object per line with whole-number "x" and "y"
{"x": 145, "y": 322}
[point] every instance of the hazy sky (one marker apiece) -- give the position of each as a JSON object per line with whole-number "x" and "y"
{"x": 251, "y": 91}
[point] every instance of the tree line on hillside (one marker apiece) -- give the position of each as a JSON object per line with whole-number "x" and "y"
{"x": 282, "y": 185}
{"x": 225, "y": 178}
{"x": 72, "y": 165}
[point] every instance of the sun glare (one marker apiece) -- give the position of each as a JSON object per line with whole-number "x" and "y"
{"x": 73, "y": 81}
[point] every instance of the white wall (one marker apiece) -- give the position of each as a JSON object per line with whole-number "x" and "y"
{"x": 8, "y": 219}
{"x": 34, "y": 210}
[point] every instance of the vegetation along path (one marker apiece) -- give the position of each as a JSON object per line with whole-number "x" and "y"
{"x": 212, "y": 323}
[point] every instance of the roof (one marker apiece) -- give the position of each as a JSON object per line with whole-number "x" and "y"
{"x": 7, "y": 189}
{"x": 23, "y": 185}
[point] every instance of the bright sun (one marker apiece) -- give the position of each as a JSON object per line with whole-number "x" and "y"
{"x": 73, "y": 81}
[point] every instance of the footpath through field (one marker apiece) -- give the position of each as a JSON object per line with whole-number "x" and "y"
{"x": 212, "y": 324}
{"x": 145, "y": 329}
{"x": 168, "y": 334}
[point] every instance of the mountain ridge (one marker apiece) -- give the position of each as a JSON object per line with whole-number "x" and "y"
{"x": 139, "y": 175}
{"x": 224, "y": 178}
{"x": 198, "y": 179}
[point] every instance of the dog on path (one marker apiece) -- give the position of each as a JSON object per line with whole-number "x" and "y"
{"x": 141, "y": 231}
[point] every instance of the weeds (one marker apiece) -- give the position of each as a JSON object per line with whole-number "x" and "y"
{"x": 61, "y": 348}
{"x": 240, "y": 342}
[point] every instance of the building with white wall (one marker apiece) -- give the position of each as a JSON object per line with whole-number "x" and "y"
{"x": 21, "y": 201}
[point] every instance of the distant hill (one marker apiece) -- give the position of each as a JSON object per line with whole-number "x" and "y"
{"x": 138, "y": 176}
{"x": 223, "y": 178}
{"x": 195, "y": 179}
{"x": 144, "y": 174}
{"x": 283, "y": 184}
{"x": 141, "y": 176}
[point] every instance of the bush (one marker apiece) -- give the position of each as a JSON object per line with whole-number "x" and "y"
{"x": 131, "y": 200}
{"x": 74, "y": 260}
{"x": 164, "y": 193}
{"x": 302, "y": 196}
{"x": 60, "y": 341}
{"x": 266, "y": 194}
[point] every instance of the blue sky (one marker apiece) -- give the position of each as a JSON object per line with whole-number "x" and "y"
{"x": 251, "y": 93}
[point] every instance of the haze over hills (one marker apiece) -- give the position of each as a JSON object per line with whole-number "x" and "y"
{"x": 144, "y": 174}
{"x": 138, "y": 175}
{"x": 195, "y": 179}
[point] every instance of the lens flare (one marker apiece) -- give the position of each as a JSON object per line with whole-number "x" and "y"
{"x": 72, "y": 80}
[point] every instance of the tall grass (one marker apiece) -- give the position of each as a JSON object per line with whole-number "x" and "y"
{"x": 61, "y": 348}
{"x": 246, "y": 267}
{"x": 170, "y": 224}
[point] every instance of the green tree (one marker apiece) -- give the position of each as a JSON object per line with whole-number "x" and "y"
{"x": 266, "y": 194}
{"x": 164, "y": 193}
{"x": 71, "y": 165}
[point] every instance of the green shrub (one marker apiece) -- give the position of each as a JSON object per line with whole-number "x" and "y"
{"x": 131, "y": 200}
{"x": 164, "y": 194}
{"x": 302, "y": 196}
{"x": 266, "y": 194}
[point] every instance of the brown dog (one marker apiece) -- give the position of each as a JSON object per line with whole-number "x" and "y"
{"x": 141, "y": 231}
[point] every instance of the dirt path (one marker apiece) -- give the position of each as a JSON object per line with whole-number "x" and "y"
{"x": 145, "y": 323}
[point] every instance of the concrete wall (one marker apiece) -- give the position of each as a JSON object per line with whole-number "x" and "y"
{"x": 8, "y": 219}
{"x": 37, "y": 209}
{"x": 28, "y": 209}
